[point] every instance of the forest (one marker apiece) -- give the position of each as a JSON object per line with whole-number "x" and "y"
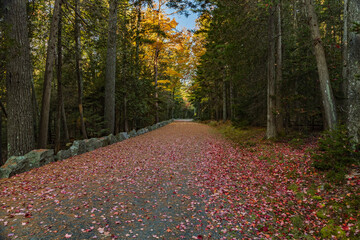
{"x": 273, "y": 89}
{"x": 88, "y": 68}
{"x": 80, "y": 69}
{"x": 94, "y": 67}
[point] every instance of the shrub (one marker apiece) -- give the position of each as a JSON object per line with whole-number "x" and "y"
{"x": 213, "y": 123}
{"x": 336, "y": 151}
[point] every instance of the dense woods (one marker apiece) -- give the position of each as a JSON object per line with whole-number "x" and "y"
{"x": 282, "y": 64}
{"x": 78, "y": 69}
{"x": 122, "y": 65}
{"x": 89, "y": 90}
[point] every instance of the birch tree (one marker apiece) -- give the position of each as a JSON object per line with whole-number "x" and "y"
{"x": 325, "y": 87}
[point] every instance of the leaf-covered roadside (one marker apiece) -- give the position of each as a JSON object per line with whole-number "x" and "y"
{"x": 285, "y": 195}
{"x": 183, "y": 181}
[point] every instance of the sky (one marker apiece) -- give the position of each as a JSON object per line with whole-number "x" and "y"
{"x": 185, "y": 22}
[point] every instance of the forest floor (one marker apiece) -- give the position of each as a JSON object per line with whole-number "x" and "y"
{"x": 183, "y": 181}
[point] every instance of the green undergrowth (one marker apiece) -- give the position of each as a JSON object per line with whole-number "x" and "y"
{"x": 337, "y": 198}
{"x": 335, "y": 154}
{"x": 242, "y": 136}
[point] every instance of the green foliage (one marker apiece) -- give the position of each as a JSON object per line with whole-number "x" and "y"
{"x": 336, "y": 152}
{"x": 331, "y": 230}
{"x": 322, "y": 213}
{"x": 356, "y": 27}
{"x": 297, "y": 221}
{"x": 296, "y": 142}
{"x": 246, "y": 137}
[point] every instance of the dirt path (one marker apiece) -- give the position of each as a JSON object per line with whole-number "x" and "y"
{"x": 148, "y": 187}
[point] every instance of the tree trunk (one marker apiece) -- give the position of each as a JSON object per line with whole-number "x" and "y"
{"x": 124, "y": 68}
{"x": 66, "y": 130}
{"x": 2, "y": 111}
{"x": 1, "y": 145}
{"x": 279, "y": 80}
{"x": 224, "y": 101}
{"x": 232, "y": 113}
{"x": 156, "y": 69}
{"x": 325, "y": 87}
{"x": 20, "y": 129}
{"x": 59, "y": 90}
{"x": 78, "y": 69}
{"x": 35, "y": 109}
{"x": 138, "y": 25}
{"x": 126, "y": 121}
{"x": 109, "y": 110}
{"x": 345, "y": 56}
{"x": 156, "y": 75}
{"x": 271, "y": 103}
{"x": 50, "y": 60}
{"x": 353, "y": 69}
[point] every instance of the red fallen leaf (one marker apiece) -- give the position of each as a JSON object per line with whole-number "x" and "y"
{"x": 265, "y": 229}
{"x": 140, "y": 220}
{"x": 345, "y": 228}
{"x": 28, "y": 215}
{"x": 200, "y": 237}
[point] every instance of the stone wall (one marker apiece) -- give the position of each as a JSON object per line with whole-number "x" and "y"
{"x": 39, "y": 157}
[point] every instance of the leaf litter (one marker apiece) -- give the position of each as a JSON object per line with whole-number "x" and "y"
{"x": 182, "y": 181}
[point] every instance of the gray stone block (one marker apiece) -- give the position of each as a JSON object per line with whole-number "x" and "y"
{"x": 92, "y": 144}
{"x": 142, "y": 131}
{"x": 122, "y": 136}
{"x": 112, "y": 139}
{"x": 133, "y": 133}
{"x": 15, "y": 165}
{"x": 40, "y": 157}
{"x": 104, "y": 141}
{"x": 78, "y": 147}
{"x": 19, "y": 164}
{"x": 5, "y": 172}
{"x": 64, "y": 154}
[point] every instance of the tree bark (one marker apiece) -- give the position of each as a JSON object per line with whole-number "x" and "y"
{"x": 271, "y": 101}
{"x": 59, "y": 90}
{"x": 353, "y": 73}
{"x": 1, "y": 145}
{"x": 50, "y": 60}
{"x": 156, "y": 69}
{"x": 279, "y": 79}
{"x": 345, "y": 42}
{"x": 232, "y": 111}
{"x": 35, "y": 109}
{"x": 325, "y": 87}
{"x": 109, "y": 109}
{"x": 345, "y": 54}
{"x": 156, "y": 75}
{"x": 66, "y": 130}
{"x": 78, "y": 69}
{"x": 137, "y": 42}
{"x": 20, "y": 129}
{"x": 224, "y": 101}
